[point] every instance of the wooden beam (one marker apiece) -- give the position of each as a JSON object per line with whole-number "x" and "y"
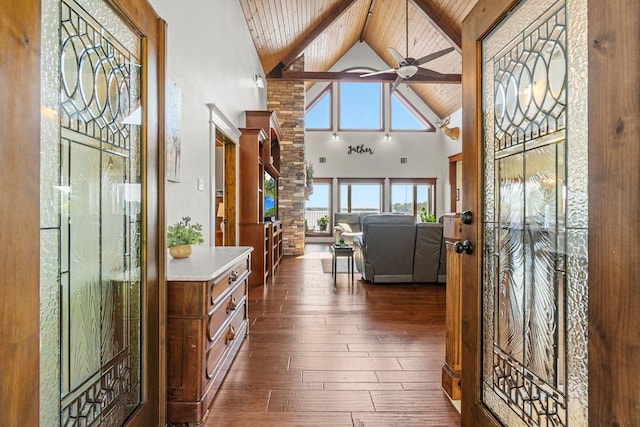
{"x": 445, "y": 29}
{"x": 372, "y": 4}
{"x": 331, "y": 17}
{"x": 329, "y": 76}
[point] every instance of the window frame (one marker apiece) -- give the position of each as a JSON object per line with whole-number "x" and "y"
{"x": 415, "y": 182}
{"x": 329, "y": 231}
{"x": 349, "y": 181}
{"x": 412, "y": 109}
{"x": 327, "y": 90}
{"x": 339, "y": 105}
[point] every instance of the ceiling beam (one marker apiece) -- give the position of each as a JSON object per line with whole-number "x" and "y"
{"x": 372, "y": 4}
{"x": 450, "y": 34}
{"x": 296, "y": 50}
{"x": 329, "y": 76}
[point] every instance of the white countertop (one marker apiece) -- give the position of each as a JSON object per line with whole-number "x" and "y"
{"x": 205, "y": 262}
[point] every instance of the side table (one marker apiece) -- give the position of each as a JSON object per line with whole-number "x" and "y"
{"x": 341, "y": 251}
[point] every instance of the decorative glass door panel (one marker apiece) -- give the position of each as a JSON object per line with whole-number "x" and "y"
{"x": 92, "y": 138}
{"x": 534, "y": 226}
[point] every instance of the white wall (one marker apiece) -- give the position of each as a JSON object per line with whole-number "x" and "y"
{"x": 426, "y": 152}
{"x": 211, "y": 57}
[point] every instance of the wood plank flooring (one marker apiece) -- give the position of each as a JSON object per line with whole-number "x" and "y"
{"x": 350, "y": 355}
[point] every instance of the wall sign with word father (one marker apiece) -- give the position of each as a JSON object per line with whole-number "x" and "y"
{"x": 359, "y": 149}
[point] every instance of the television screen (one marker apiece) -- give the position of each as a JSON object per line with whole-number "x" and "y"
{"x": 269, "y": 196}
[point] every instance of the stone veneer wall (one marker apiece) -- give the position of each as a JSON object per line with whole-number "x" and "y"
{"x": 287, "y": 99}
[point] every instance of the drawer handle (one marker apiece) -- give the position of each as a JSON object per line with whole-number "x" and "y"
{"x": 233, "y": 276}
{"x": 231, "y": 335}
{"x": 232, "y": 305}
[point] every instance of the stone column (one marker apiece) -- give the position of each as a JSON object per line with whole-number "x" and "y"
{"x": 287, "y": 99}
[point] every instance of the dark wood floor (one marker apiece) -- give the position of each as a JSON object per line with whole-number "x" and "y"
{"x": 353, "y": 355}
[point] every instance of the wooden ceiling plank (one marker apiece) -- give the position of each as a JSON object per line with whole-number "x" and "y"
{"x": 343, "y": 76}
{"x": 331, "y": 17}
{"x": 451, "y": 34}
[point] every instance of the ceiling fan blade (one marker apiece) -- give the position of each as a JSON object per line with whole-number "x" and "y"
{"x": 424, "y": 72}
{"x": 433, "y": 56}
{"x": 396, "y": 55}
{"x": 375, "y": 73}
{"x": 396, "y": 83}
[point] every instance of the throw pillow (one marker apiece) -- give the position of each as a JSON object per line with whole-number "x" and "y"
{"x": 346, "y": 228}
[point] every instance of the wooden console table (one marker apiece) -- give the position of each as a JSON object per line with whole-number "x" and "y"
{"x": 207, "y": 322}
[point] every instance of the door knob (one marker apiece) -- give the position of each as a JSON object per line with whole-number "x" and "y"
{"x": 466, "y": 217}
{"x": 465, "y": 247}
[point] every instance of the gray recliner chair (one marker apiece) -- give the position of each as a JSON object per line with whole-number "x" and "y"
{"x": 429, "y": 262}
{"x": 385, "y": 251}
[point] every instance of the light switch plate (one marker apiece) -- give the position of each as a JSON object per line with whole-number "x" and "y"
{"x": 200, "y": 184}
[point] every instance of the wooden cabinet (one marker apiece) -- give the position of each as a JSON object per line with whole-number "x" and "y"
{"x": 275, "y": 247}
{"x": 452, "y": 369}
{"x": 259, "y": 153}
{"x": 207, "y": 322}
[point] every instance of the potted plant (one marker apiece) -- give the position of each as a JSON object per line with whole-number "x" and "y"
{"x": 308, "y": 171}
{"x": 181, "y": 236}
{"x": 426, "y": 216}
{"x": 322, "y": 223}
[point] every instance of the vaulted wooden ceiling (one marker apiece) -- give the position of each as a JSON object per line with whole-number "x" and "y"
{"x": 324, "y": 30}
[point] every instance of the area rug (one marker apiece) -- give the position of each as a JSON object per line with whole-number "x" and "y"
{"x": 342, "y": 265}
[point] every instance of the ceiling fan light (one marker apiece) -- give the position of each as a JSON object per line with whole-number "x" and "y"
{"x": 407, "y": 71}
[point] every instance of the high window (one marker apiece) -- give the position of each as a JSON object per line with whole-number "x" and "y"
{"x": 318, "y": 115}
{"x": 361, "y": 195}
{"x": 360, "y": 106}
{"x": 410, "y": 196}
{"x": 405, "y": 117}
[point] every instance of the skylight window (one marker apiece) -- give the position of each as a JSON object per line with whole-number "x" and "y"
{"x": 360, "y": 106}
{"x": 405, "y": 117}
{"x": 318, "y": 114}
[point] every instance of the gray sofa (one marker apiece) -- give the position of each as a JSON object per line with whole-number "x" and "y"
{"x": 347, "y": 225}
{"x": 394, "y": 249}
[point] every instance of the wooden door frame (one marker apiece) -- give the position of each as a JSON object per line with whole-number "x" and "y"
{"x": 614, "y": 181}
{"x": 614, "y": 165}
{"x": 480, "y": 21}
{"x": 453, "y": 180}
{"x": 20, "y": 40}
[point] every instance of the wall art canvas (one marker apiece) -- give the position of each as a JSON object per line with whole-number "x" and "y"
{"x": 174, "y": 118}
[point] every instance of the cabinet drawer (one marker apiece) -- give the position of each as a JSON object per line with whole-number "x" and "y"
{"x": 225, "y": 308}
{"x": 232, "y": 277}
{"x": 225, "y": 340}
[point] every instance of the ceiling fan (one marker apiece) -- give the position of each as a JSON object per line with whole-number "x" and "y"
{"x": 407, "y": 66}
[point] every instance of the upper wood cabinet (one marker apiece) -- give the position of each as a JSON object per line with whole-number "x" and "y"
{"x": 268, "y": 121}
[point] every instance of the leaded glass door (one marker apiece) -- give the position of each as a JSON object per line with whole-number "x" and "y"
{"x": 96, "y": 296}
{"x": 532, "y": 221}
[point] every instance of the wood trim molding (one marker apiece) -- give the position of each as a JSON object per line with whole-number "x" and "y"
{"x": 453, "y": 180}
